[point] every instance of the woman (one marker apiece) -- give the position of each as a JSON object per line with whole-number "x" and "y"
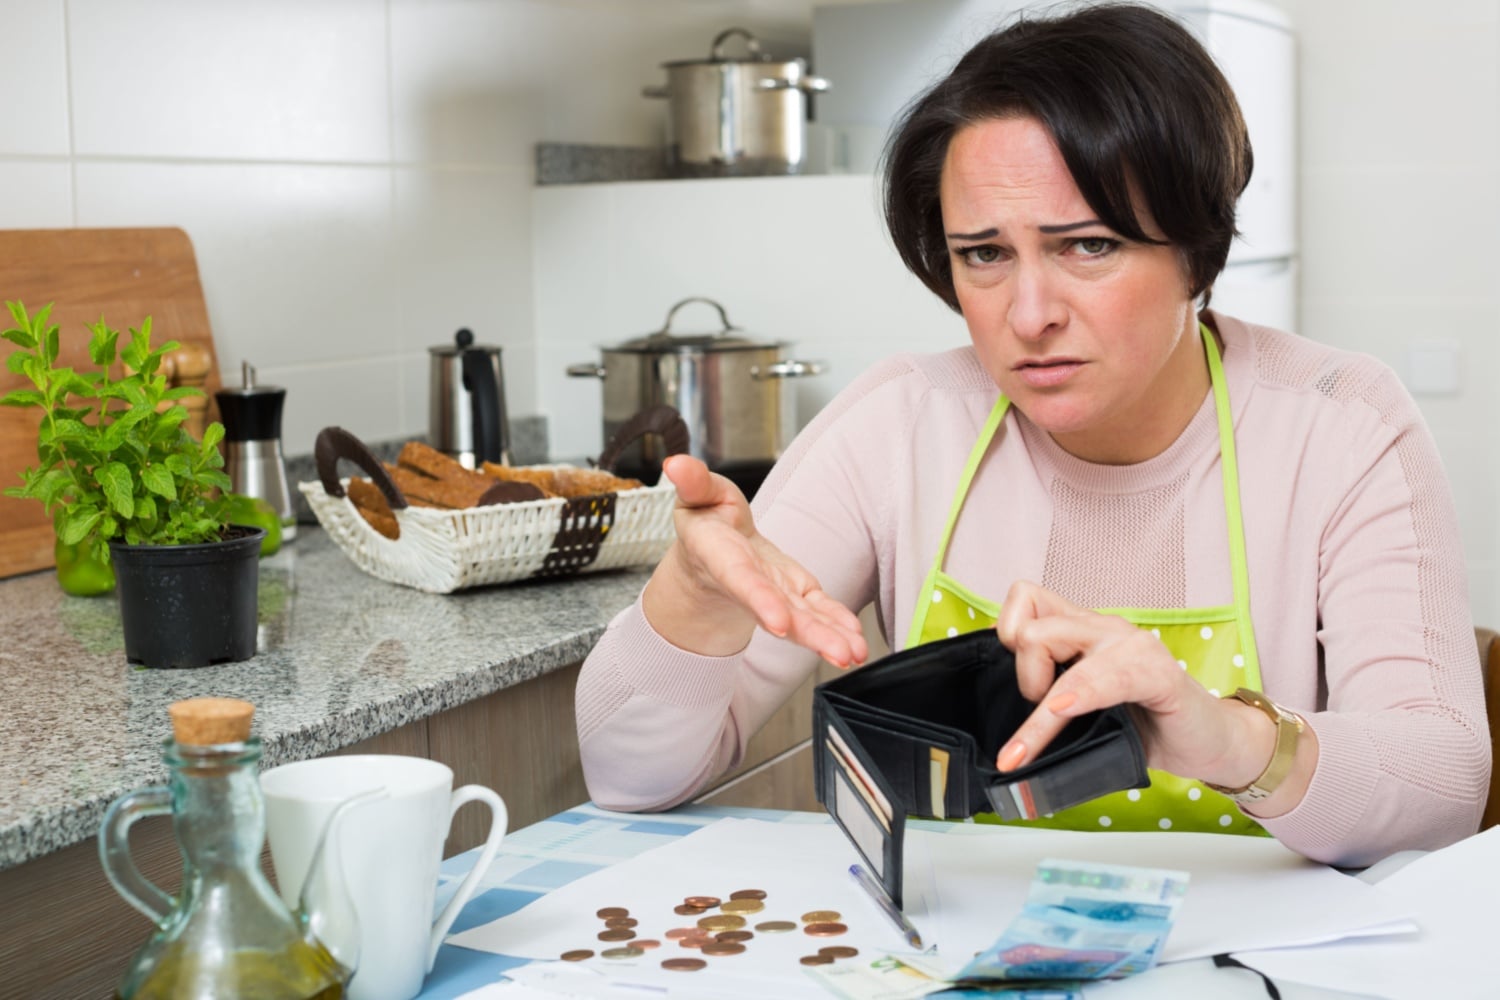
{"x": 1257, "y": 512}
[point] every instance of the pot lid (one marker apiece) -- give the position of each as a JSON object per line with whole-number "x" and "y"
{"x": 729, "y": 338}
{"x": 716, "y": 54}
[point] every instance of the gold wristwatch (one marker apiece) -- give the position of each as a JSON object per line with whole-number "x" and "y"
{"x": 1289, "y": 727}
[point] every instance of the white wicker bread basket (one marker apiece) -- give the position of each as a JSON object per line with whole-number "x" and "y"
{"x": 441, "y": 551}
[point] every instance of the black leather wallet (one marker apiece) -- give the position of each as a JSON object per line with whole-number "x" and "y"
{"x": 917, "y": 732}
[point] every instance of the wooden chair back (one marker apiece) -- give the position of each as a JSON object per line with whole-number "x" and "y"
{"x": 1489, "y": 665}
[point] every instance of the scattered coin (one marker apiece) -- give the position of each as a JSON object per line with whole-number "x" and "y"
{"x": 721, "y": 922}
{"x": 624, "y": 934}
{"x": 626, "y": 952}
{"x": 685, "y": 964}
{"x": 743, "y": 906}
{"x": 775, "y": 926}
{"x": 646, "y": 944}
{"x": 748, "y": 894}
{"x": 706, "y": 902}
{"x": 824, "y": 928}
{"x": 612, "y": 911}
{"x": 816, "y": 960}
{"x": 734, "y": 936}
{"x": 838, "y": 951}
{"x": 821, "y": 916}
{"x": 684, "y": 910}
{"x": 723, "y": 948}
{"x": 576, "y": 956}
{"x": 615, "y": 923}
{"x": 678, "y": 932}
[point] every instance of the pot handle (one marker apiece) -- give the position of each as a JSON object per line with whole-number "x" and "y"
{"x": 806, "y": 84}
{"x": 752, "y": 44}
{"x": 660, "y": 419}
{"x": 335, "y": 443}
{"x": 786, "y": 369}
{"x": 723, "y": 316}
{"x": 586, "y": 370}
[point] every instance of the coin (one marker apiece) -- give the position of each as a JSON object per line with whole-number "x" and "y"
{"x": 743, "y": 906}
{"x": 815, "y": 960}
{"x": 706, "y": 902}
{"x": 625, "y": 952}
{"x": 734, "y": 936}
{"x": 825, "y": 928}
{"x": 748, "y": 894}
{"x": 612, "y": 911}
{"x": 721, "y": 922}
{"x": 683, "y": 964}
{"x": 723, "y": 948}
{"x": 775, "y": 926}
{"x": 684, "y": 910}
{"x": 646, "y": 945}
{"x": 838, "y": 951}
{"x": 576, "y": 956}
{"x": 614, "y": 923}
{"x": 677, "y": 932}
{"x": 621, "y": 934}
{"x": 821, "y": 916}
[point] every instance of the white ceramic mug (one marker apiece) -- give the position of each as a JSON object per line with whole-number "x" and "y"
{"x": 389, "y": 852}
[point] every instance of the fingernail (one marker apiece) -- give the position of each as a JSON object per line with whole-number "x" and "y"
{"x": 1011, "y": 755}
{"x": 1062, "y": 703}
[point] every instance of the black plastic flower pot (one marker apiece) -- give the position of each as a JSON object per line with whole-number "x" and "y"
{"x": 189, "y": 605}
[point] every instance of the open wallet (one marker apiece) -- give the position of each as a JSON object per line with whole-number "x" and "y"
{"x": 917, "y": 733}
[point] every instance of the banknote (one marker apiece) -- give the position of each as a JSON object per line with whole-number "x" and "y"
{"x": 909, "y": 977}
{"x": 1084, "y": 921}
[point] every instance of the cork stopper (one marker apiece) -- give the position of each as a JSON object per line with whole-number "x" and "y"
{"x": 210, "y": 721}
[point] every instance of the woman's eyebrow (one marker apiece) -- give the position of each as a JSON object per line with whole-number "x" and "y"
{"x": 983, "y": 234}
{"x": 1065, "y": 227}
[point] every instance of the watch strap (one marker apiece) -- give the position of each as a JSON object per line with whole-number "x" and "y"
{"x": 1289, "y": 727}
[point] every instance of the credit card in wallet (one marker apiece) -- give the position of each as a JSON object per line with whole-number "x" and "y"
{"x": 937, "y": 781}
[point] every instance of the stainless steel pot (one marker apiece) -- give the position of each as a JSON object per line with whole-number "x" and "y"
{"x": 730, "y": 391}
{"x": 734, "y": 117}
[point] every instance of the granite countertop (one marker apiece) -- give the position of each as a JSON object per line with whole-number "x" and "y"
{"x": 342, "y": 657}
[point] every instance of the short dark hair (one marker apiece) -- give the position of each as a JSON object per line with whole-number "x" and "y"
{"x": 1131, "y": 99}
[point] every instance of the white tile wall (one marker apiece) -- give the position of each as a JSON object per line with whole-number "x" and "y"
{"x": 34, "y": 77}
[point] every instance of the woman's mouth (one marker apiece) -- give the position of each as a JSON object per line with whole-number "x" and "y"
{"x": 1046, "y": 373}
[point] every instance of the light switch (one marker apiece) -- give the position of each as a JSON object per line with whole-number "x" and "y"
{"x": 1432, "y": 367}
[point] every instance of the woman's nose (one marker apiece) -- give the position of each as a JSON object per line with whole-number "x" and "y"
{"x": 1037, "y": 306}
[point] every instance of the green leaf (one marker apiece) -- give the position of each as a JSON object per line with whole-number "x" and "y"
{"x": 178, "y": 463}
{"x": 76, "y": 525}
{"x": 51, "y": 345}
{"x": 20, "y": 337}
{"x": 212, "y": 435}
{"x": 16, "y": 363}
{"x": 145, "y": 508}
{"x": 135, "y": 353}
{"x": 23, "y": 397}
{"x": 114, "y": 479}
{"x": 158, "y": 479}
{"x": 102, "y": 345}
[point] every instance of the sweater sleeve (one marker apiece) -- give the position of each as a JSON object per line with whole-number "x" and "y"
{"x": 657, "y": 723}
{"x": 1404, "y": 752}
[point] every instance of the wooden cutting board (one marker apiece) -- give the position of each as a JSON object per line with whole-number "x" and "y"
{"x": 121, "y": 275}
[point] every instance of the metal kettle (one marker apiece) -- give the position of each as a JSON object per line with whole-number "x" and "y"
{"x": 466, "y": 415}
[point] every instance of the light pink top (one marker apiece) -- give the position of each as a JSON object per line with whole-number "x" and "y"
{"x": 1358, "y": 592}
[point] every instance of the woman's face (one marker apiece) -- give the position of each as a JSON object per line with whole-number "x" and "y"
{"x": 1092, "y": 336}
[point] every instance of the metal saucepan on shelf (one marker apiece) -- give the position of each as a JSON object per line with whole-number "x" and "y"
{"x": 730, "y": 389}
{"x": 736, "y": 117}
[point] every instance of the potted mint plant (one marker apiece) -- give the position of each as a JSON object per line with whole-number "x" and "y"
{"x": 128, "y": 486}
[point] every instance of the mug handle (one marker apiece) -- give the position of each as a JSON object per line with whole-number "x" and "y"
{"x": 499, "y": 818}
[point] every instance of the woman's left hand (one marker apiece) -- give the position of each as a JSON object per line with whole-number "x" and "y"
{"x": 1186, "y": 730}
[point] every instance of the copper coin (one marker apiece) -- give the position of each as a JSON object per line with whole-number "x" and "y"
{"x": 838, "y": 951}
{"x": 684, "y": 910}
{"x": 821, "y": 916}
{"x": 723, "y": 948}
{"x": 612, "y": 911}
{"x": 748, "y": 894}
{"x": 576, "y": 956}
{"x": 733, "y": 936}
{"x": 615, "y": 923}
{"x": 646, "y": 945}
{"x": 721, "y": 922}
{"x": 815, "y": 960}
{"x": 775, "y": 926}
{"x": 743, "y": 906}
{"x": 693, "y": 943}
{"x": 677, "y": 932}
{"x": 825, "y": 928}
{"x": 622, "y": 934}
{"x": 683, "y": 964}
{"x": 626, "y": 952}
{"x": 707, "y": 902}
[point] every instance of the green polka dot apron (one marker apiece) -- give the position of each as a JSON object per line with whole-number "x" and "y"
{"x": 1216, "y": 646}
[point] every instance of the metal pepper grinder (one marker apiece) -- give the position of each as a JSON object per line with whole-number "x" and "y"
{"x": 252, "y": 445}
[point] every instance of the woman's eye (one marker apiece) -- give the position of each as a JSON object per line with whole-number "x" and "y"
{"x": 1095, "y": 246}
{"x": 981, "y": 255}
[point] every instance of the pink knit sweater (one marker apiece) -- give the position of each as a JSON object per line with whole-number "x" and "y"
{"x": 1358, "y": 592}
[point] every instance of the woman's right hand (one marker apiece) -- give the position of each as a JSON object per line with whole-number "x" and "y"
{"x": 721, "y": 578}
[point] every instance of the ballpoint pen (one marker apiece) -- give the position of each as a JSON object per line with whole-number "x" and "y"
{"x": 877, "y": 895}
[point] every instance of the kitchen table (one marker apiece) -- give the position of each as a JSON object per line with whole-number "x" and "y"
{"x": 537, "y": 859}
